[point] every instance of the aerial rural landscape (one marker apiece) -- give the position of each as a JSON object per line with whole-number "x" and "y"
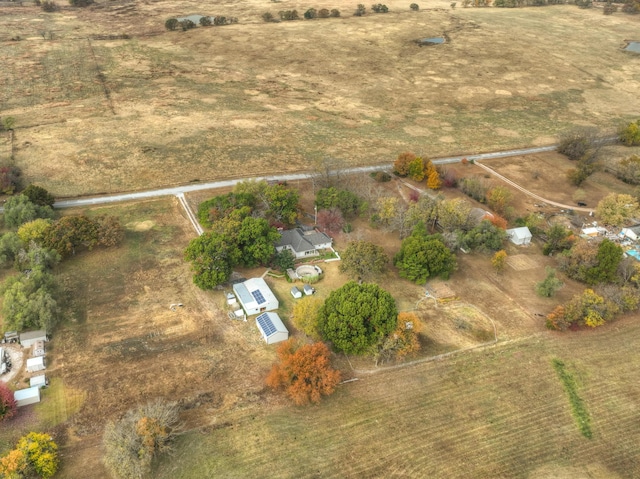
{"x": 297, "y": 240}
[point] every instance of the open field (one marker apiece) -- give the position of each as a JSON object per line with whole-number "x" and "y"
{"x": 253, "y": 98}
{"x": 497, "y": 413}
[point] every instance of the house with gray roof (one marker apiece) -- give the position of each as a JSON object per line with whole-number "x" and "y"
{"x": 303, "y": 243}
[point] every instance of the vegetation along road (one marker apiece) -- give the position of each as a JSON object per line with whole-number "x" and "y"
{"x": 181, "y": 190}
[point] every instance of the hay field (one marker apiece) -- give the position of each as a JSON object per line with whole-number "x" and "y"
{"x": 254, "y": 98}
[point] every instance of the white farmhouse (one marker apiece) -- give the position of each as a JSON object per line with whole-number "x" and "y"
{"x": 303, "y": 243}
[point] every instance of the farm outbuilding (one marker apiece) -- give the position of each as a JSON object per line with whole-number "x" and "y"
{"x": 520, "y": 235}
{"x": 255, "y": 296}
{"x": 632, "y": 232}
{"x": 309, "y": 290}
{"x": 29, "y": 338}
{"x": 24, "y": 397}
{"x": 296, "y": 293}
{"x": 272, "y": 328}
{"x": 38, "y": 381}
{"x": 38, "y": 348}
{"x": 35, "y": 364}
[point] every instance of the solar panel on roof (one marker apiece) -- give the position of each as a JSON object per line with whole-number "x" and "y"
{"x": 257, "y": 295}
{"x": 266, "y": 324}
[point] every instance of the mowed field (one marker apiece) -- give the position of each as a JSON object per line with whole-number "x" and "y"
{"x": 161, "y": 108}
{"x": 497, "y": 413}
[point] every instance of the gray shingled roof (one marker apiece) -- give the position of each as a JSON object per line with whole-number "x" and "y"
{"x": 301, "y": 242}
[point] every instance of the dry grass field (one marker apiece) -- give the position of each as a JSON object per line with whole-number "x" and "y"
{"x": 163, "y": 108}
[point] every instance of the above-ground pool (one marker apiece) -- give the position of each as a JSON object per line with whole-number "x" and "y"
{"x": 635, "y": 48}
{"x": 308, "y": 270}
{"x": 634, "y": 253}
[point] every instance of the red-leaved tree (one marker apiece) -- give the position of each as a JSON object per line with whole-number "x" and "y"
{"x": 8, "y": 407}
{"x": 330, "y": 220}
{"x": 304, "y": 372}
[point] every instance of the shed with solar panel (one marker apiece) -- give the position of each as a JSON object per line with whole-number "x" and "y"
{"x": 255, "y": 296}
{"x": 272, "y": 328}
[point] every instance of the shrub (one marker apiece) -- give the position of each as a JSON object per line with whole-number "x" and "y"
{"x": 205, "y": 22}
{"x": 187, "y": 25}
{"x": 289, "y": 15}
{"x": 630, "y": 134}
{"x": 360, "y": 10}
{"x": 9, "y": 179}
{"x": 584, "y": 3}
{"x": 219, "y": 20}
{"x": 38, "y": 195}
{"x": 80, "y": 3}
{"x": 415, "y": 7}
{"x": 311, "y": 14}
{"x": 324, "y": 13}
{"x": 335, "y": 13}
{"x": 267, "y": 17}
{"x": 379, "y": 8}
{"x": 548, "y": 287}
{"x": 631, "y": 6}
{"x": 609, "y": 9}
{"x": 474, "y": 188}
{"x": 49, "y": 6}
{"x": 381, "y": 176}
{"x": 171, "y": 24}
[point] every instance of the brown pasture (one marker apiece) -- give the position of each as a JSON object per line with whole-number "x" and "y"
{"x": 160, "y": 108}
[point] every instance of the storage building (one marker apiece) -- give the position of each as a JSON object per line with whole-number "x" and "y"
{"x": 35, "y": 364}
{"x": 520, "y": 236}
{"x": 29, "y": 338}
{"x": 24, "y": 397}
{"x": 38, "y": 381}
{"x": 255, "y": 296}
{"x": 272, "y": 328}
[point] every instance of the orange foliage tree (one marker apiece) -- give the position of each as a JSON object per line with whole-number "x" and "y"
{"x": 304, "y": 372}
{"x": 401, "y": 165}
{"x": 402, "y": 341}
{"x": 433, "y": 180}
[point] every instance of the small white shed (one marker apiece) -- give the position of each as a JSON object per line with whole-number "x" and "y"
{"x": 24, "y": 397}
{"x": 29, "y": 338}
{"x": 35, "y": 364}
{"x": 38, "y": 381}
{"x": 520, "y": 235}
{"x": 296, "y": 293}
{"x": 272, "y": 328}
{"x": 309, "y": 290}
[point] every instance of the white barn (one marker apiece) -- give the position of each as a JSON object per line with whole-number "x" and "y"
{"x": 29, "y": 338}
{"x": 35, "y": 364}
{"x": 520, "y": 235}
{"x": 24, "y": 397}
{"x": 38, "y": 381}
{"x": 272, "y": 328}
{"x": 255, "y": 296}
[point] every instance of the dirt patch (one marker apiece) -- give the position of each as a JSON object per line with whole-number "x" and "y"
{"x": 522, "y": 262}
{"x": 141, "y": 226}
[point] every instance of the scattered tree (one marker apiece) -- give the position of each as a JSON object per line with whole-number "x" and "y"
{"x": 415, "y": 7}
{"x": 401, "y": 342}
{"x": 284, "y": 260}
{"x": 9, "y": 179}
{"x": 454, "y": 215}
{"x": 433, "y": 180}
{"x": 589, "y": 309}
{"x": 360, "y": 10}
{"x": 379, "y": 8}
{"x": 132, "y": 443}
{"x": 304, "y": 372}
{"x": 363, "y": 260}
{"x": 356, "y": 316}
{"x": 205, "y": 21}
{"x": 289, "y": 15}
{"x": 305, "y": 316}
{"x": 80, "y": 3}
{"x": 10, "y": 246}
{"x": 311, "y": 14}
{"x": 39, "y": 196}
{"x": 422, "y": 257}
{"x": 324, "y": 13}
{"x": 171, "y": 24}
{"x": 349, "y": 203}
{"x": 499, "y": 261}
{"x": 628, "y": 170}
{"x": 256, "y": 242}
{"x": 36, "y": 454}
{"x": 558, "y": 239}
{"x": 483, "y": 237}
{"x": 475, "y": 188}
{"x": 617, "y": 209}
{"x": 550, "y": 285}
{"x": 499, "y": 199}
{"x": 330, "y": 220}
{"x": 267, "y": 17}
{"x": 187, "y": 25}
{"x": 630, "y": 134}
{"x": 70, "y": 233}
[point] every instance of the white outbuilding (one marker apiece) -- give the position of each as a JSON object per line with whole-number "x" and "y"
{"x": 255, "y": 296}
{"x": 272, "y": 328}
{"x": 35, "y": 364}
{"x": 24, "y": 397}
{"x": 296, "y": 293}
{"x": 38, "y": 381}
{"x": 29, "y": 338}
{"x": 520, "y": 235}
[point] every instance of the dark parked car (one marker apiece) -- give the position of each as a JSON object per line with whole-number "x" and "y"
{"x": 581, "y": 203}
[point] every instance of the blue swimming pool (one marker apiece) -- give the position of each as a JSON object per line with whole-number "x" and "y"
{"x": 634, "y": 253}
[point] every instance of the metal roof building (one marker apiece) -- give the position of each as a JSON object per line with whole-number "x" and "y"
{"x": 29, "y": 338}
{"x": 24, "y": 397}
{"x": 35, "y": 364}
{"x": 272, "y": 328}
{"x": 255, "y": 296}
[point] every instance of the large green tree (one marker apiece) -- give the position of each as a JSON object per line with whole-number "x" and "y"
{"x": 363, "y": 260}
{"x": 484, "y": 237}
{"x": 422, "y": 257}
{"x": 38, "y": 195}
{"x": 282, "y": 204}
{"x": 617, "y": 209}
{"x": 30, "y": 301}
{"x": 356, "y": 316}
{"x": 212, "y": 258}
{"x": 256, "y": 241}
{"x": 608, "y": 258}
{"x": 19, "y": 210}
